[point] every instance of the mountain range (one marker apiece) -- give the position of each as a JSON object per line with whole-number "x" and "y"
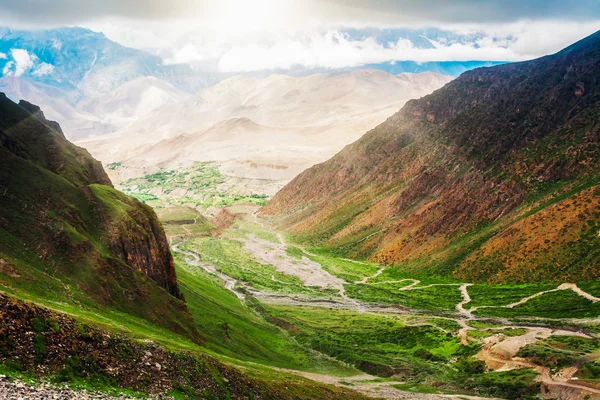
{"x": 77, "y": 75}
{"x": 492, "y": 178}
{"x": 261, "y": 128}
{"x": 95, "y": 86}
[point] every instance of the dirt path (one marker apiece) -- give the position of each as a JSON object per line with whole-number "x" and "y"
{"x": 499, "y": 354}
{"x": 193, "y": 259}
{"x": 467, "y": 315}
{"x": 564, "y": 286}
{"x": 311, "y": 273}
{"x": 366, "y": 278}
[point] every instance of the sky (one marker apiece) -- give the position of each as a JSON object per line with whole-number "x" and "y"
{"x": 254, "y": 35}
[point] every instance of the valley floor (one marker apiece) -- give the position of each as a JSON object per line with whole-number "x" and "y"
{"x": 371, "y": 328}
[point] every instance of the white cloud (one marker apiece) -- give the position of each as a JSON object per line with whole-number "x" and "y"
{"x": 188, "y": 53}
{"x": 43, "y": 69}
{"x": 23, "y": 61}
{"x": 3, "y": 56}
{"x": 534, "y": 38}
{"x": 6, "y": 70}
{"x": 333, "y": 49}
{"x": 36, "y": 13}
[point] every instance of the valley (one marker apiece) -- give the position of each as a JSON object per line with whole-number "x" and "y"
{"x": 258, "y": 133}
{"x": 283, "y": 219}
{"x": 310, "y": 312}
{"x": 383, "y": 333}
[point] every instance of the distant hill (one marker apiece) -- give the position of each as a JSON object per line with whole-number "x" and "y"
{"x": 492, "y": 178}
{"x": 262, "y": 128}
{"x": 68, "y": 237}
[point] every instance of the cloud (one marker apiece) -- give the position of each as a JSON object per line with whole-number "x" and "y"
{"x": 187, "y": 54}
{"x": 43, "y": 69}
{"x": 252, "y": 35}
{"x": 23, "y": 61}
{"x": 345, "y": 12}
{"x": 3, "y": 56}
{"x": 392, "y": 13}
{"x": 336, "y": 49}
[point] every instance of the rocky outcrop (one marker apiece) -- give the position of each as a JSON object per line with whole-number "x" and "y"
{"x": 62, "y": 221}
{"x": 457, "y": 167}
{"x": 139, "y": 240}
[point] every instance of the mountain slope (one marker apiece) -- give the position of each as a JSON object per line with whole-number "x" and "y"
{"x": 89, "y": 83}
{"x": 272, "y": 127}
{"x": 67, "y": 235}
{"x": 491, "y": 178}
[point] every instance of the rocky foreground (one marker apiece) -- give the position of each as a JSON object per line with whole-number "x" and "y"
{"x": 17, "y": 390}
{"x": 45, "y": 344}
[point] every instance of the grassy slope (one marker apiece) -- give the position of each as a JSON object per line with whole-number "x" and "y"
{"x": 60, "y": 222}
{"x": 63, "y": 259}
{"x": 235, "y": 330}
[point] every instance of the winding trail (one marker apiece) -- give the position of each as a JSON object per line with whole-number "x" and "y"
{"x": 498, "y": 351}
{"x": 564, "y": 286}
{"x": 193, "y": 259}
{"x": 467, "y": 315}
{"x": 366, "y": 278}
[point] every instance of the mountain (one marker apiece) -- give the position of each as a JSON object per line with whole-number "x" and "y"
{"x": 72, "y": 72}
{"x": 258, "y": 128}
{"x": 493, "y": 178}
{"x": 86, "y": 60}
{"x": 68, "y": 237}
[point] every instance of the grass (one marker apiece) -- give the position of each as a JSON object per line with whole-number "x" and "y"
{"x": 501, "y": 295}
{"x": 558, "y": 352}
{"x": 242, "y": 228}
{"x": 234, "y": 330}
{"x": 59, "y": 240}
{"x": 516, "y": 384}
{"x": 180, "y": 221}
{"x": 437, "y": 298}
{"x": 230, "y": 257}
{"x": 560, "y": 304}
{"x": 375, "y": 343}
{"x": 423, "y": 388}
{"x": 346, "y": 270}
{"x": 589, "y": 372}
